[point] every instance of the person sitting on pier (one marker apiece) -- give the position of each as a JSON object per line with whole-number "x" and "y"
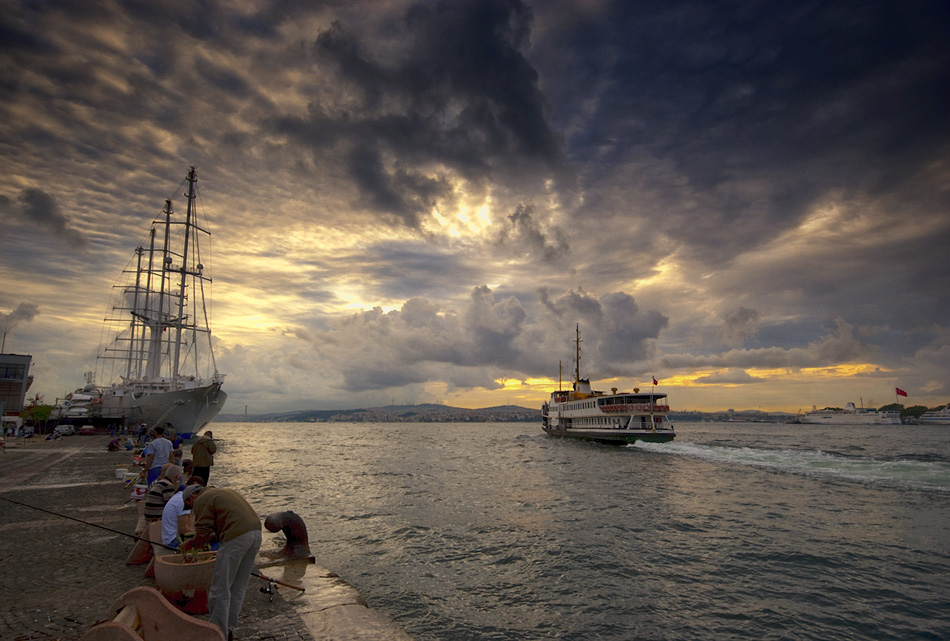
{"x": 174, "y": 509}
{"x": 160, "y": 492}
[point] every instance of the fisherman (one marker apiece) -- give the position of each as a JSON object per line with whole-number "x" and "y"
{"x": 202, "y": 452}
{"x": 160, "y": 492}
{"x": 174, "y": 509}
{"x": 222, "y": 514}
{"x": 173, "y": 437}
{"x": 156, "y": 454}
{"x": 188, "y": 470}
{"x": 294, "y": 531}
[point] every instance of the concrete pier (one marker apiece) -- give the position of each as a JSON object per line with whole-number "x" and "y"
{"x": 61, "y": 577}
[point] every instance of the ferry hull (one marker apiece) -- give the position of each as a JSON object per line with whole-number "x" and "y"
{"x": 613, "y": 436}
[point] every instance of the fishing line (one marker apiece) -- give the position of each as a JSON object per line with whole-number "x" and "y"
{"x": 137, "y": 538}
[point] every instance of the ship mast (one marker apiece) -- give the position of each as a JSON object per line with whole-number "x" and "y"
{"x": 577, "y": 342}
{"x": 189, "y": 217}
{"x": 156, "y": 316}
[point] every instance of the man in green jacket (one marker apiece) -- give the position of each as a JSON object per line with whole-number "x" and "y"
{"x": 202, "y": 453}
{"x": 224, "y": 516}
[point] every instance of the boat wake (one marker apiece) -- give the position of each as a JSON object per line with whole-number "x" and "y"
{"x": 907, "y": 472}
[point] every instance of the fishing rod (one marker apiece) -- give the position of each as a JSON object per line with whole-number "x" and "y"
{"x": 139, "y": 538}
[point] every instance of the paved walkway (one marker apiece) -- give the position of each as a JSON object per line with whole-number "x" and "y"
{"x": 60, "y": 577}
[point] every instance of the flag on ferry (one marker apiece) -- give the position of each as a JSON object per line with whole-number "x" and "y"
{"x": 900, "y": 392}
{"x": 654, "y": 381}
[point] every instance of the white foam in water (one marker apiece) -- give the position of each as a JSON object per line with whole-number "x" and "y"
{"x": 925, "y": 475}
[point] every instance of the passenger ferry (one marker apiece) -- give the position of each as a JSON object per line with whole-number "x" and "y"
{"x": 617, "y": 417}
{"x": 850, "y": 415}
{"x": 935, "y": 417}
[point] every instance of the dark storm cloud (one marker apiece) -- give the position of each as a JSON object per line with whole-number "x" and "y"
{"x": 629, "y": 332}
{"x": 494, "y": 327}
{"x": 451, "y": 89}
{"x": 400, "y": 270}
{"x": 575, "y": 304}
{"x": 840, "y": 344}
{"x": 493, "y": 336}
{"x": 36, "y": 207}
{"x": 738, "y": 325}
{"x": 735, "y": 123}
{"x": 523, "y": 231}
{"x": 619, "y": 332}
{"x": 768, "y": 178}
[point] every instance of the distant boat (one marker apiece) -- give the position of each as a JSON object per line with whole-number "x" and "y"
{"x": 618, "y": 417}
{"x": 160, "y": 359}
{"x": 850, "y": 415}
{"x": 935, "y": 417}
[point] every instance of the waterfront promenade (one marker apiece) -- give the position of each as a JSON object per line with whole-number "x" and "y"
{"x": 61, "y": 577}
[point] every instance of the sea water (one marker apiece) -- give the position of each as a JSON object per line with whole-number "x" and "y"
{"x": 733, "y": 531}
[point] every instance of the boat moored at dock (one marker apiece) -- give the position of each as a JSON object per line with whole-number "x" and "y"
{"x": 935, "y": 417}
{"x": 850, "y": 415}
{"x": 158, "y": 366}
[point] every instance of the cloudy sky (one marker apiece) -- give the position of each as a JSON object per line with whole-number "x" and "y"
{"x": 418, "y": 201}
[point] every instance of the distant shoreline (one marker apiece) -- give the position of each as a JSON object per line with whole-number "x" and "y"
{"x": 432, "y": 413}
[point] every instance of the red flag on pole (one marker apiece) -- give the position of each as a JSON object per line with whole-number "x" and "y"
{"x": 654, "y": 381}
{"x": 900, "y": 392}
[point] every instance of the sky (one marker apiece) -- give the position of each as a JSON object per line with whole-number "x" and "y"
{"x": 420, "y": 201}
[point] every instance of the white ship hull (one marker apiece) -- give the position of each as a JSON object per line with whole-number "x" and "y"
{"x": 187, "y": 410}
{"x": 938, "y": 417}
{"x": 847, "y": 418}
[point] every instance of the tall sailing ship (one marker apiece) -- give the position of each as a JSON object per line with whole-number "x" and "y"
{"x": 159, "y": 363}
{"x": 617, "y": 418}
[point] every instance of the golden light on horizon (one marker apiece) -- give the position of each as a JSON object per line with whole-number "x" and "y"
{"x": 527, "y": 385}
{"x": 844, "y": 370}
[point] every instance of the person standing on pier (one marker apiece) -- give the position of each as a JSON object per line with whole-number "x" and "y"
{"x": 156, "y": 454}
{"x": 202, "y": 453}
{"x": 223, "y": 515}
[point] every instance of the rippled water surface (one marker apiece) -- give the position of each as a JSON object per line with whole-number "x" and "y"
{"x": 496, "y": 531}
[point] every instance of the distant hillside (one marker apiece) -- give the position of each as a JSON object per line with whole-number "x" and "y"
{"x": 425, "y": 412}
{"x": 432, "y": 413}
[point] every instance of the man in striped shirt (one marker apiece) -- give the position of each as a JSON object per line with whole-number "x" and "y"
{"x": 160, "y": 491}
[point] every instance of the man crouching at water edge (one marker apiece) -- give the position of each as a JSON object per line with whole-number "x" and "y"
{"x": 223, "y": 515}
